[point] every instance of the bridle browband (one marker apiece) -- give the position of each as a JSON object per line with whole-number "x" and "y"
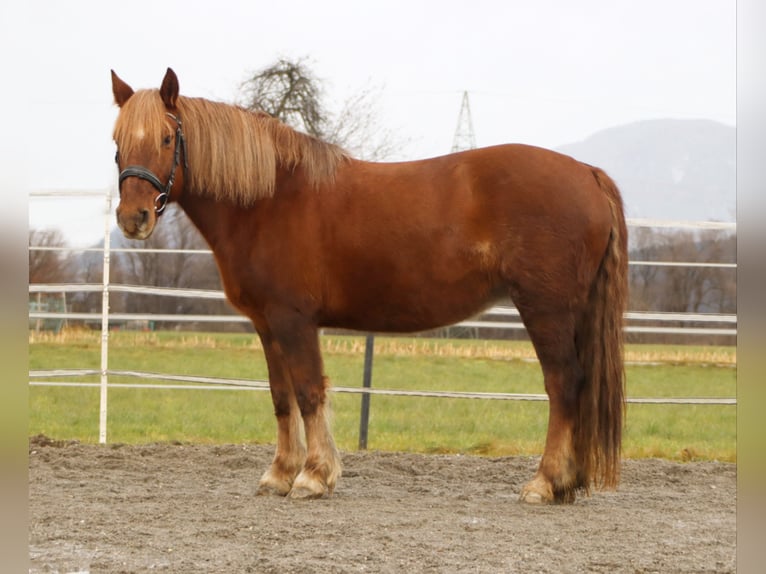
{"x": 161, "y": 201}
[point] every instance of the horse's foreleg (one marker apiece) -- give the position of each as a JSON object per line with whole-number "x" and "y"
{"x": 298, "y": 345}
{"x": 322, "y": 467}
{"x": 290, "y": 453}
{"x": 557, "y": 479}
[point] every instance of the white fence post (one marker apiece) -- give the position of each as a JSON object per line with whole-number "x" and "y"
{"x": 105, "y": 323}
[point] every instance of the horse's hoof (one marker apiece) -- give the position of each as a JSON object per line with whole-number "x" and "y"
{"x": 536, "y": 491}
{"x": 530, "y": 497}
{"x": 271, "y": 490}
{"x": 307, "y": 487}
{"x": 273, "y": 485}
{"x": 304, "y": 494}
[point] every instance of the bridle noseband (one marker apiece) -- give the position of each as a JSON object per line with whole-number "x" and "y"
{"x": 140, "y": 171}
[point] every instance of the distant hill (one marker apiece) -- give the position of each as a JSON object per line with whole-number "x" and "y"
{"x": 668, "y": 169}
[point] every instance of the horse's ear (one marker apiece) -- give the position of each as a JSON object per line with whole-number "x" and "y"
{"x": 169, "y": 89}
{"x": 121, "y": 90}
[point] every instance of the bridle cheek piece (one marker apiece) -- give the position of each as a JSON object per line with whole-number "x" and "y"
{"x": 161, "y": 201}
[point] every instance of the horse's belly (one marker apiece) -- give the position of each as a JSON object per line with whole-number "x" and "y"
{"x": 395, "y": 304}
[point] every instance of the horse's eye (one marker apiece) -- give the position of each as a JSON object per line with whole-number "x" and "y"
{"x": 117, "y": 157}
{"x": 167, "y": 140}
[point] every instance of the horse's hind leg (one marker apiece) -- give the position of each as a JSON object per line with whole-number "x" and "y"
{"x": 553, "y": 336}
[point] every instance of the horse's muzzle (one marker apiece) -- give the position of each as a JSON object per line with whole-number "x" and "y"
{"x": 136, "y": 223}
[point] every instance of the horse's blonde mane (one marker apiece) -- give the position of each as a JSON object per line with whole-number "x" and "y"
{"x": 233, "y": 153}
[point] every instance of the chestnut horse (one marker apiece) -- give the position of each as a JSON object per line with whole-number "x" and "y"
{"x": 306, "y": 237}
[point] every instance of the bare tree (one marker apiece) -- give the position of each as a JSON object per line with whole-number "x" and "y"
{"x": 682, "y": 289}
{"x": 90, "y": 269}
{"x": 642, "y": 278}
{"x": 717, "y": 288}
{"x": 47, "y": 266}
{"x": 289, "y": 91}
{"x": 357, "y": 129}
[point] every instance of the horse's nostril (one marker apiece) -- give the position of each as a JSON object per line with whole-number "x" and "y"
{"x": 143, "y": 216}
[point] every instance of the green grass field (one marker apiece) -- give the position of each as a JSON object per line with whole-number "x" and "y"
{"x": 416, "y": 424}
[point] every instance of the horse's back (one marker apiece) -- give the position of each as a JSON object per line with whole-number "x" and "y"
{"x": 505, "y": 181}
{"x": 505, "y": 197}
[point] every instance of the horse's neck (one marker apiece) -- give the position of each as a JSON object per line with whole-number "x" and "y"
{"x": 221, "y": 222}
{"x": 211, "y": 218}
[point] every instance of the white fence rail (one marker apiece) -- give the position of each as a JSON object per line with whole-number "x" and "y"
{"x": 476, "y": 323}
{"x": 52, "y": 377}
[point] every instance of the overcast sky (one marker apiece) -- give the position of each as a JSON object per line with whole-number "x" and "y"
{"x": 545, "y": 72}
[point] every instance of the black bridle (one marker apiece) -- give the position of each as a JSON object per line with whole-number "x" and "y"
{"x": 161, "y": 201}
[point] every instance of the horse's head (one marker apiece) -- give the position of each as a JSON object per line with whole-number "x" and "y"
{"x": 150, "y": 148}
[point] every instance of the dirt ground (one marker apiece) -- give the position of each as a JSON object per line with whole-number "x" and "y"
{"x": 191, "y": 508}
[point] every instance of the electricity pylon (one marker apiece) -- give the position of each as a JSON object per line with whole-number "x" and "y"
{"x": 464, "y": 136}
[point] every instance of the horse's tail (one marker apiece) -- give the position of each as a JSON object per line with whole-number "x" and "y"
{"x": 598, "y": 434}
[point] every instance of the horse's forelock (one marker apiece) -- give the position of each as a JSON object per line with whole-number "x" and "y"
{"x": 141, "y": 123}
